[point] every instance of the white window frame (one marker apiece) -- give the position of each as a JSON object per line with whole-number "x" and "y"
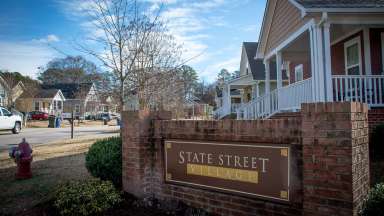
{"x": 77, "y": 108}
{"x": 34, "y": 105}
{"x": 348, "y": 44}
{"x": 297, "y": 68}
{"x": 382, "y": 52}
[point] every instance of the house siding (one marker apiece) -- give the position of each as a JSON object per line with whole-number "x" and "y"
{"x": 285, "y": 21}
{"x": 337, "y": 54}
{"x": 306, "y": 70}
{"x": 376, "y": 51}
{"x": 24, "y": 104}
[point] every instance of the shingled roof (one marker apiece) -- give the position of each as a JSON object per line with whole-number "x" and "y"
{"x": 72, "y": 90}
{"x": 46, "y": 93}
{"x": 341, "y": 3}
{"x": 256, "y": 66}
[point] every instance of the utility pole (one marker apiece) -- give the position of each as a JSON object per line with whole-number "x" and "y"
{"x": 72, "y": 124}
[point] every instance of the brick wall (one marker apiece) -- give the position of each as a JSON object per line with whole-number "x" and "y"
{"x": 335, "y": 158}
{"x": 253, "y": 132}
{"x": 375, "y": 118}
{"x": 329, "y": 159}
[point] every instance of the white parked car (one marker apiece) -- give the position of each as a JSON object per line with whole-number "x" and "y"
{"x": 9, "y": 121}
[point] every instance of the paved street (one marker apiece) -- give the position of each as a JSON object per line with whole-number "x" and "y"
{"x": 46, "y": 135}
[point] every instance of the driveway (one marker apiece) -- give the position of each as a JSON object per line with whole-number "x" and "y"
{"x": 46, "y": 135}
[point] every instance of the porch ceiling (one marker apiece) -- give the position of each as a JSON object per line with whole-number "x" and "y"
{"x": 298, "y": 50}
{"x": 338, "y": 31}
{"x": 241, "y": 82}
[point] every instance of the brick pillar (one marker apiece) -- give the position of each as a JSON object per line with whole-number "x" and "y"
{"x": 137, "y": 134}
{"x": 335, "y": 158}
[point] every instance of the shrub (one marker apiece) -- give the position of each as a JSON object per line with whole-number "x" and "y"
{"x": 103, "y": 160}
{"x": 373, "y": 205}
{"x": 90, "y": 197}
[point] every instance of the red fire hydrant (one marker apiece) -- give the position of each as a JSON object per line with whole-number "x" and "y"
{"x": 23, "y": 158}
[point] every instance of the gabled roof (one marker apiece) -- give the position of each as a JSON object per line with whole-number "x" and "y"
{"x": 316, "y": 7}
{"x": 72, "y": 90}
{"x": 256, "y": 66}
{"x": 341, "y": 3}
{"x": 4, "y": 83}
{"x": 46, "y": 93}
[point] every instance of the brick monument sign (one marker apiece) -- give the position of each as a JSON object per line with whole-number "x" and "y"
{"x": 314, "y": 164}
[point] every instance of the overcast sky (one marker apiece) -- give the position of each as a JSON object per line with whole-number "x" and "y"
{"x": 211, "y": 31}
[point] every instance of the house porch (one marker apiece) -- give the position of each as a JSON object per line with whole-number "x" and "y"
{"x": 331, "y": 62}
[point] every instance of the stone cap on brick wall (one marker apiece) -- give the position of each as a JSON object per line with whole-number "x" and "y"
{"x": 334, "y": 107}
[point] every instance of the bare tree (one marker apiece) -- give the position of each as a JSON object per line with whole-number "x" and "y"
{"x": 136, "y": 47}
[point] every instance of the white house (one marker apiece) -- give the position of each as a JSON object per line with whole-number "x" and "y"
{"x": 81, "y": 98}
{"x": 3, "y": 92}
{"x": 9, "y": 92}
{"x": 330, "y": 50}
{"x": 45, "y": 100}
{"x": 235, "y": 93}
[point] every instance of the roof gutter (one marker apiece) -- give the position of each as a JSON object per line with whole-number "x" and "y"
{"x": 345, "y": 10}
{"x": 300, "y": 7}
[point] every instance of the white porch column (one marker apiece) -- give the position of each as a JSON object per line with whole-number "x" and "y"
{"x": 327, "y": 63}
{"x": 267, "y": 86}
{"x": 279, "y": 63}
{"x": 257, "y": 90}
{"x": 229, "y": 99}
{"x": 321, "y": 63}
{"x": 267, "y": 77}
{"x": 279, "y": 79}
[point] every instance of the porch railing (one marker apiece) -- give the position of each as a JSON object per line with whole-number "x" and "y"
{"x": 235, "y": 106}
{"x": 226, "y": 110}
{"x": 359, "y": 88}
{"x": 261, "y": 107}
{"x": 292, "y": 96}
{"x": 219, "y": 113}
{"x": 287, "y": 98}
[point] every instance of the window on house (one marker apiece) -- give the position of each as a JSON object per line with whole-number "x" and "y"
{"x": 59, "y": 105}
{"x": 299, "y": 73}
{"x": 37, "y": 105}
{"x": 352, "y": 52}
{"x": 77, "y": 108}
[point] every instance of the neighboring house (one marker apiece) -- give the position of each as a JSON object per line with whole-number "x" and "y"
{"x": 81, "y": 98}
{"x": 4, "y": 89}
{"x": 131, "y": 101}
{"x": 108, "y": 104}
{"x": 9, "y": 94}
{"x": 332, "y": 50}
{"x": 50, "y": 101}
{"x": 235, "y": 93}
{"x": 194, "y": 108}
